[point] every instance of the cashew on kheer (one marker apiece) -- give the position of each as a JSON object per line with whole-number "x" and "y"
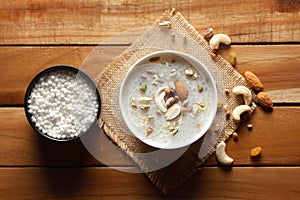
{"x": 167, "y": 98}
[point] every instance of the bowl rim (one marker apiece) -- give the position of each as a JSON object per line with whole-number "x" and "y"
{"x": 42, "y": 73}
{"x": 184, "y": 56}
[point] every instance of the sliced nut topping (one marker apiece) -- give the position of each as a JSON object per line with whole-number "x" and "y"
{"x": 173, "y": 130}
{"x": 145, "y": 99}
{"x": 189, "y": 72}
{"x": 171, "y": 84}
{"x": 149, "y": 130}
{"x": 159, "y": 99}
{"x": 173, "y": 112}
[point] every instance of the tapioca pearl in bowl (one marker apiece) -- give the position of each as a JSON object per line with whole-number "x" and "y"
{"x": 62, "y": 103}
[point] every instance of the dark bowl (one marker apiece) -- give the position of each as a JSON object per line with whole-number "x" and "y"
{"x": 74, "y": 70}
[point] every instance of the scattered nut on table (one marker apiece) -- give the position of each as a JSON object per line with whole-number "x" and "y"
{"x": 222, "y": 156}
{"x": 245, "y": 92}
{"x": 217, "y": 39}
{"x": 255, "y": 152}
{"x": 250, "y": 127}
{"x": 264, "y": 100}
{"x": 238, "y": 111}
{"x": 253, "y": 81}
{"x": 235, "y": 136}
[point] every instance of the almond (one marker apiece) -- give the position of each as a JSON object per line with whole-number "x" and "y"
{"x": 181, "y": 90}
{"x": 253, "y": 81}
{"x": 264, "y": 100}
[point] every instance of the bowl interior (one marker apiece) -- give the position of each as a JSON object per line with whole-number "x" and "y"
{"x": 192, "y": 123}
{"x": 59, "y": 69}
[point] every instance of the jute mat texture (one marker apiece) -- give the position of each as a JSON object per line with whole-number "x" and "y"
{"x": 180, "y": 36}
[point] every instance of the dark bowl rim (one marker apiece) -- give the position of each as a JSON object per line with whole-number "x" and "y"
{"x": 90, "y": 81}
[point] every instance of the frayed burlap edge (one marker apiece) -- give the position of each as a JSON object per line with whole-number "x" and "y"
{"x": 161, "y": 178}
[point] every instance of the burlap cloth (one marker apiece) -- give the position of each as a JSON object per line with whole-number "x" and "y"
{"x": 182, "y": 37}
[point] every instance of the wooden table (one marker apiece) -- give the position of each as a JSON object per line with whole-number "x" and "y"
{"x": 38, "y": 34}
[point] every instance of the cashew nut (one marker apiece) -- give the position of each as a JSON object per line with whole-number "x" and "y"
{"x": 236, "y": 113}
{"x": 217, "y": 39}
{"x": 222, "y": 156}
{"x": 242, "y": 90}
{"x": 159, "y": 99}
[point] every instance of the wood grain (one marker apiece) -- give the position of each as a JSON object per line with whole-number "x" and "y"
{"x": 104, "y": 183}
{"x": 92, "y": 21}
{"x": 277, "y": 66}
{"x": 277, "y": 133}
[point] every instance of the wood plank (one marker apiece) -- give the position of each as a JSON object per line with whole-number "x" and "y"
{"x": 103, "y": 183}
{"x": 245, "y": 21}
{"x": 277, "y": 66}
{"x": 276, "y": 132}
{"x": 26, "y": 147}
{"x": 92, "y": 21}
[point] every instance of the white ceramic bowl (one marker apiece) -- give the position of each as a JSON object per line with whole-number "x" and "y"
{"x": 176, "y": 141}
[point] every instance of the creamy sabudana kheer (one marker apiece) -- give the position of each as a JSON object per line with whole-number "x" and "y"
{"x": 168, "y": 98}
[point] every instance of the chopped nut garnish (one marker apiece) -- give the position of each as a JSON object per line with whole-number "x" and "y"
{"x": 158, "y": 112}
{"x": 143, "y": 87}
{"x": 227, "y": 91}
{"x": 235, "y": 136}
{"x": 150, "y": 117}
{"x": 198, "y": 125}
{"x": 213, "y": 55}
{"x": 200, "y": 88}
{"x": 228, "y": 114}
{"x": 134, "y": 105}
{"x": 250, "y": 127}
{"x": 166, "y": 24}
{"x": 208, "y": 33}
{"x": 149, "y": 131}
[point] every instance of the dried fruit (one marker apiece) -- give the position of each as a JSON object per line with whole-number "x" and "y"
{"x": 171, "y": 84}
{"x": 143, "y": 87}
{"x": 213, "y": 55}
{"x": 173, "y": 112}
{"x": 222, "y": 156}
{"x": 235, "y": 136}
{"x": 145, "y": 99}
{"x": 166, "y": 24}
{"x": 238, "y": 111}
{"x": 227, "y": 91}
{"x": 181, "y": 90}
{"x": 253, "y": 81}
{"x": 250, "y": 127}
{"x": 154, "y": 59}
{"x": 150, "y": 117}
{"x": 228, "y": 114}
{"x": 144, "y": 76}
{"x": 144, "y": 107}
{"x": 255, "y": 152}
{"x": 173, "y": 130}
{"x": 217, "y": 39}
{"x": 159, "y": 99}
{"x": 264, "y": 100}
{"x": 200, "y": 88}
{"x": 134, "y": 105}
{"x": 242, "y": 90}
{"x": 232, "y": 58}
{"x": 149, "y": 131}
{"x": 208, "y": 33}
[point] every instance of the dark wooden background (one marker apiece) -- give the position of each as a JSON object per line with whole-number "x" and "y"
{"x": 37, "y": 34}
